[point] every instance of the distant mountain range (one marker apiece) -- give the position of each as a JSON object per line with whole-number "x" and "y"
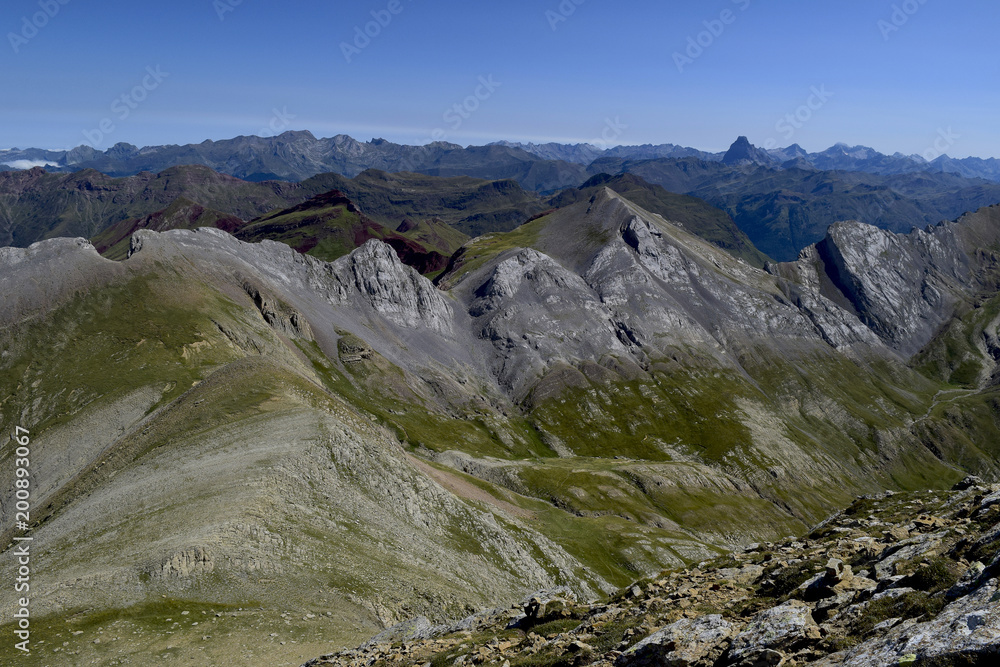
{"x": 839, "y": 157}
{"x": 783, "y": 200}
{"x": 298, "y": 155}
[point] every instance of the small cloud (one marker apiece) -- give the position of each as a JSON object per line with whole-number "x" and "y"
{"x": 29, "y": 164}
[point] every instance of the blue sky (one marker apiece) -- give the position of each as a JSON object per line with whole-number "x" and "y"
{"x": 895, "y": 75}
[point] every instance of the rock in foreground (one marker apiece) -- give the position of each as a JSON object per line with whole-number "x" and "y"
{"x": 898, "y": 579}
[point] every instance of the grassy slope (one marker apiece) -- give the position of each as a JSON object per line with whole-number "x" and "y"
{"x": 594, "y": 535}
{"x": 433, "y": 233}
{"x": 323, "y": 232}
{"x": 329, "y": 226}
{"x": 35, "y": 205}
{"x": 160, "y": 330}
{"x": 472, "y": 206}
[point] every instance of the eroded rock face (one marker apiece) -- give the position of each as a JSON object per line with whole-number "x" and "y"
{"x": 393, "y": 289}
{"x": 279, "y": 316}
{"x": 187, "y": 563}
{"x": 610, "y": 279}
{"x": 534, "y": 313}
{"x": 904, "y": 287}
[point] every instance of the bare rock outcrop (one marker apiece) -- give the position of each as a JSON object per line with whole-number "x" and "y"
{"x": 187, "y": 563}
{"x": 904, "y": 287}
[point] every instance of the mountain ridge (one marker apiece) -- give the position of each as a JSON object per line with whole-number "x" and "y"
{"x": 298, "y": 154}
{"x": 641, "y": 397}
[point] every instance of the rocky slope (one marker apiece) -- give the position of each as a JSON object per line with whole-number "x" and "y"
{"x": 904, "y": 287}
{"x": 895, "y": 579}
{"x": 236, "y": 428}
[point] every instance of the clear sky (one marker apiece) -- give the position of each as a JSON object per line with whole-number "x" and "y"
{"x": 897, "y": 75}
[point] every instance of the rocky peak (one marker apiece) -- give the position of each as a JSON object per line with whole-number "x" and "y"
{"x": 122, "y": 151}
{"x": 394, "y": 290}
{"x": 742, "y": 153}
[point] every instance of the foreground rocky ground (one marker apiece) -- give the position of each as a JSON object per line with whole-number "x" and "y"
{"x": 895, "y": 579}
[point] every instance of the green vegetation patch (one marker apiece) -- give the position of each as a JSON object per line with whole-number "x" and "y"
{"x": 914, "y": 604}
{"x": 477, "y": 252}
{"x": 687, "y": 411}
{"x": 142, "y": 332}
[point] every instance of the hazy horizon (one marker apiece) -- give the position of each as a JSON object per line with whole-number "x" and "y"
{"x": 529, "y": 140}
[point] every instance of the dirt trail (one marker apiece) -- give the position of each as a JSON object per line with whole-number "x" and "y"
{"x": 464, "y": 489}
{"x": 958, "y": 394}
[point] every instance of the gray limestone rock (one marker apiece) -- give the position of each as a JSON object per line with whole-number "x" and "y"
{"x": 695, "y": 642}
{"x": 903, "y": 286}
{"x": 784, "y": 628}
{"x": 968, "y": 628}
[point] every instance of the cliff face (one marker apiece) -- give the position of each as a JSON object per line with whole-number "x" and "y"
{"x": 594, "y": 395}
{"x": 904, "y": 287}
{"x": 895, "y": 579}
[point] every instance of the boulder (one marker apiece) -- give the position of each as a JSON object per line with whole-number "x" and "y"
{"x": 698, "y": 642}
{"x": 966, "y": 632}
{"x": 786, "y": 628}
{"x": 967, "y": 483}
{"x": 743, "y": 576}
